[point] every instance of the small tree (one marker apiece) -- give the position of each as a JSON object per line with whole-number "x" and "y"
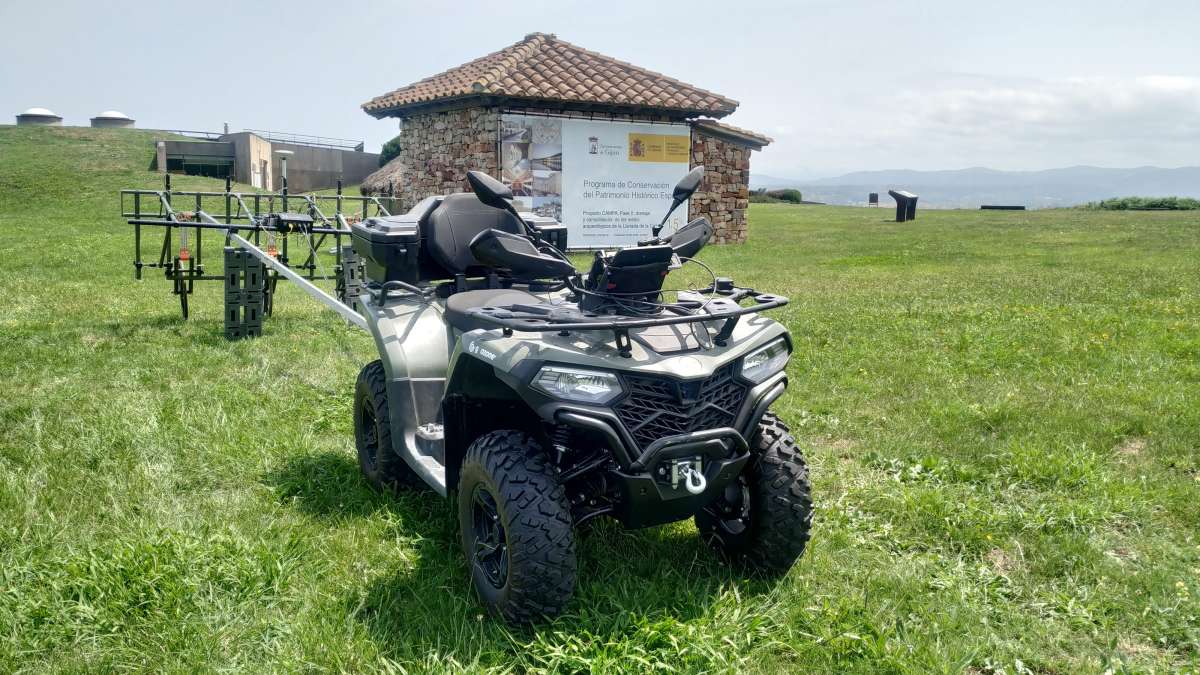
{"x": 390, "y": 151}
{"x": 787, "y": 195}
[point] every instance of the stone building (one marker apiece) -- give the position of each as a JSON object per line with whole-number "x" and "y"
{"x": 452, "y": 122}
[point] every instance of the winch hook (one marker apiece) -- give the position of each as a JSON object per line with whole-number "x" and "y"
{"x": 694, "y": 481}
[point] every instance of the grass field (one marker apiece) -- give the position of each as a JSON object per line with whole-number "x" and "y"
{"x": 1002, "y": 411}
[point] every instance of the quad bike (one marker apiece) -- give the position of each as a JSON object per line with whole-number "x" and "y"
{"x": 540, "y": 398}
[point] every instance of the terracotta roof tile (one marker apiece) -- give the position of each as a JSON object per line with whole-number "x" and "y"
{"x": 546, "y": 68}
{"x": 728, "y": 130}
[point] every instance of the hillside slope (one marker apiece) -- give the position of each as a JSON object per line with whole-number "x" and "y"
{"x": 43, "y": 165}
{"x": 1000, "y": 411}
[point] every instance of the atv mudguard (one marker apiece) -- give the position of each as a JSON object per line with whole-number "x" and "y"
{"x": 414, "y": 343}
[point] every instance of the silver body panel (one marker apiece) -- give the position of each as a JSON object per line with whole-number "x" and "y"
{"x": 420, "y": 353}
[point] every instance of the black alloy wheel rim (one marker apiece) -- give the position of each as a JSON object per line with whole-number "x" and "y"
{"x": 370, "y": 430}
{"x": 490, "y": 549}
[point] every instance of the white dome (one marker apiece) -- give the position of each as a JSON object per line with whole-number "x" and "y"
{"x": 112, "y": 115}
{"x": 40, "y": 111}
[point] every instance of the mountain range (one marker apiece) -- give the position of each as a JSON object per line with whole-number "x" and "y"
{"x": 972, "y": 187}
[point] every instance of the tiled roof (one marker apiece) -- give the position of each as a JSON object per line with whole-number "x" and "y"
{"x": 737, "y": 133}
{"x": 544, "y": 68}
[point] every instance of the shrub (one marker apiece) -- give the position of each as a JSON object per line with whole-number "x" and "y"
{"x": 760, "y": 196}
{"x": 1146, "y": 203}
{"x": 790, "y": 195}
{"x": 390, "y": 151}
{"x": 765, "y": 196}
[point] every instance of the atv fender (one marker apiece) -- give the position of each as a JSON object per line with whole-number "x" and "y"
{"x": 478, "y": 399}
{"x": 414, "y": 343}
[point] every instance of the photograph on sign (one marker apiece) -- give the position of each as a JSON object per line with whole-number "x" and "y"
{"x": 608, "y": 181}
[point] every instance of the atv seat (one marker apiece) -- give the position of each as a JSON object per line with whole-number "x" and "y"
{"x": 458, "y": 304}
{"x": 455, "y": 222}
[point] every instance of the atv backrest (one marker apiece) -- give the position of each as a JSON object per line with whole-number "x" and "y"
{"x": 452, "y": 226}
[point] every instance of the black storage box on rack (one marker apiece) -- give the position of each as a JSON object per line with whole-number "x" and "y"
{"x": 390, "y": 247}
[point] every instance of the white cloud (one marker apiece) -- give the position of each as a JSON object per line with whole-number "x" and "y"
{"x": 1155, "y": 107}
{"x": 953, "y": 120}
{"x": 1153, "y": 119}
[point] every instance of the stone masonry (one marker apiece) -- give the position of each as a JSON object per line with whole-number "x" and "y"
{"x": 724, "y": 195}
{"x": 437, "y": 150}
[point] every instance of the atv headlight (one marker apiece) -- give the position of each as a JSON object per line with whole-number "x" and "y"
{"x": 765, "y": 361}
{"x": 577, "y": 384}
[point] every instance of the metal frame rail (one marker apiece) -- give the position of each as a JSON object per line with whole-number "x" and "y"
{"x": 727, "y": 312}
{"x": 181, "y": 252}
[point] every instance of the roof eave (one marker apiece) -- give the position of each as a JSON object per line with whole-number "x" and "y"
{"x": 724, "y": 132}
{"x": 567, "y": 105}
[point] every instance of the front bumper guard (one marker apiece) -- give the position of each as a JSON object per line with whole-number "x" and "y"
{"x": 647, "y": 495}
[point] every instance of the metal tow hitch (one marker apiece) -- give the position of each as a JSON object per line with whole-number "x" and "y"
{"x": 688, "y": 471}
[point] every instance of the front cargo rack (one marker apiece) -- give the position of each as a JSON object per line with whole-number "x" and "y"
{"x": 546, "y": 318}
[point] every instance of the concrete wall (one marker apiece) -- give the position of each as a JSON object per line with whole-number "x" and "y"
{"x": 200, "y": 149}
{"x": 313, "y": 168}
{"x": 249, "y": 153}
{"x": 309, "y": 168}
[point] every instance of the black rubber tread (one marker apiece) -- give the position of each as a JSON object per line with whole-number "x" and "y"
{"x": 391, "y": 472}
{"x": 781, "y": 505}
{"x": 536, "y": 516}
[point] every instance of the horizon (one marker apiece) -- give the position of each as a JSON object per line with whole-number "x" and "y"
{"x": 982, "y": 168}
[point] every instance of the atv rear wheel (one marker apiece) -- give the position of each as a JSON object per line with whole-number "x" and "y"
{"x": 762, "y": 519}
{"x": 515, "y": 524}
{"x": 382, "y": 467}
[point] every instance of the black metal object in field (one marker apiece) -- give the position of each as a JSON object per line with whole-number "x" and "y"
{"x": 906, "y": 205}
{"x": 275, "y": 217}
{"x": 246, "y": 293}
{"x": 873, "y": 199}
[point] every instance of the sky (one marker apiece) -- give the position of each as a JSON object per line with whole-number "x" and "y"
{"x": 840, "y": 86}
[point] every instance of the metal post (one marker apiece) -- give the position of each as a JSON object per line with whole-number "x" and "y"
{"x": 337, "y": 238}
{"x": 199, "y": 207}
{"x": 168, "y": 245}
{"x": 137, "y": 236}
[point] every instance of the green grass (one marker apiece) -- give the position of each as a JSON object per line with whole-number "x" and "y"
{"x": 1002, "y": 411}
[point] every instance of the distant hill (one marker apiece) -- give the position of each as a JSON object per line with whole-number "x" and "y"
{"x": 759, "y": 181}
{"x": 968, "y": 188}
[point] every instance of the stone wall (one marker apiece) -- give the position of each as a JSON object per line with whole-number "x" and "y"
{"x": 437, "y": 150}
{"x": 724, "y": 195}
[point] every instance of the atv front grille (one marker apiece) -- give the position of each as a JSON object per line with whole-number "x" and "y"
{"x": 657, "y": 407}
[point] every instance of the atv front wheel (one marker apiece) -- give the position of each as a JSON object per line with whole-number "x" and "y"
{"x": 382, "y": 467}
{"x": 515, "y": 524}
{"x": 762, "y": 519}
